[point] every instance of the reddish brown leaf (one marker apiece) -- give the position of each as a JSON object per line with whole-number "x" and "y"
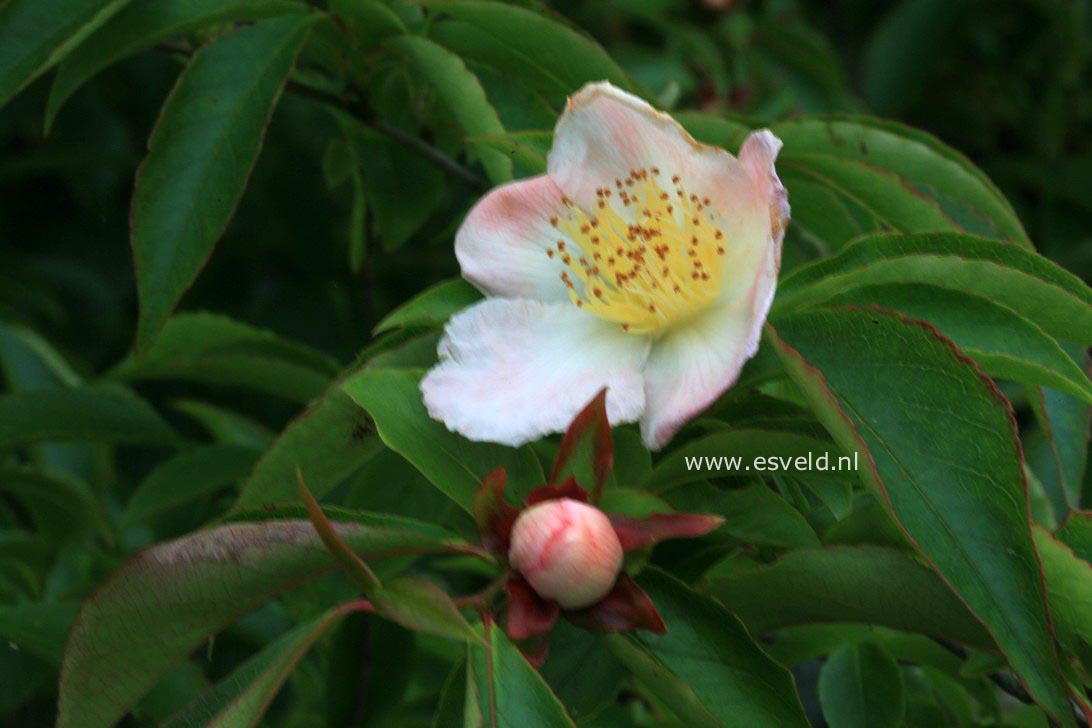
{"x": 625, "y": 609}
{"x": 568, "y": 489}
{"x": 591, "y": 429}
{"x": 635, "y": 533}
{"x": 529, "y": 615}
{"x": 360, "y": 572}
{"x": 493, "y": 513}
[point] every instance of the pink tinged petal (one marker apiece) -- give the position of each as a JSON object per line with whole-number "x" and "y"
{"x": 513, "y": 370}
{"x": 605, "y": 133}
{"x": 502, "y": 245}
{"x": 529, "y": 615}
{"x": 625, "y": 609}
{"x": 589, "y": 429}
{"x": 568, "y": 489}
{"x": 493, "y": 515}
{"x": 635, "y": 533}
{"x": 691, "y": 365}
{"x": 567, "y": 551}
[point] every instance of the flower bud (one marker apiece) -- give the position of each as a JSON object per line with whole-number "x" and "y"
{"x": 567, "y": 550}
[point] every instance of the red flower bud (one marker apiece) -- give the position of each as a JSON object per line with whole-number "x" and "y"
{"x": 567, "y": 550}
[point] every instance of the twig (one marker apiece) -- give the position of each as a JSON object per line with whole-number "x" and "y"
{"x": 357, "y": 109}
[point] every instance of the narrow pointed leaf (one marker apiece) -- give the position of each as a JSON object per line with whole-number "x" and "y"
{"x": 586, "y": 451}
{"x": 364, "y": 577}
{"x": 143, "y": 24}
{"x": 636, "y": 533}
{"x": 568, "y": 489}
{"x": 200, "y": 155}
{"x": 625, "y": 608}
{"x": 420, "y": 605}
{"x": 502, "y": 689}
{"x": 493, "y": 514}
{"x": 242, "y": 698}
{"x": 166, "y": 601}
{"x": 36, "y": 34}
{"x": 529, "y": 615}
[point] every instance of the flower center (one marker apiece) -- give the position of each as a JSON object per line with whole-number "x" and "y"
{"x": 648, "y": 257}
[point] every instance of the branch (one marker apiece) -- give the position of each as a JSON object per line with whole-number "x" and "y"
{"x": 365, "y": 115}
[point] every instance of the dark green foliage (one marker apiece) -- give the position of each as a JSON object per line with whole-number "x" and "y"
{"x": 226, "y": 257}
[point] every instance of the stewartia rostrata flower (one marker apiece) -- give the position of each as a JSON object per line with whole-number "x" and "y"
{"x": 642, "y": 261}
{"x": 565, "y": 555}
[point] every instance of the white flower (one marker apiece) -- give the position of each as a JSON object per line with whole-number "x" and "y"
{"x": 642, "y": 261}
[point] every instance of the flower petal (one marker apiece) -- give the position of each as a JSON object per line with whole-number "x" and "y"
{"x": 568, "y": 489}
{"x": 502, "y": 244}
{"x": 529, "y": 615}
{"x": 635, "y": 533}
{"x": 605, "y": 133}
{"x": 624, "y": 609}
{"x": 690, "y": 366}
{"x": 513, "y": 370}
{"x": 493, "y": 514}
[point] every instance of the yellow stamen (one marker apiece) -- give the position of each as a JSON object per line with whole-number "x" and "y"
{"x": 662, "y": 264}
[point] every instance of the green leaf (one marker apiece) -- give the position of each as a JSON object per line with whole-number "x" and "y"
{"x": 720, "y": 131}
{"x": 143, "y": 24}
{"x": 860, "y": 686}
{"x": 706, "y": 667}
{"x": 1005, "y": 344}
{"x": 225, "y": 425}
{"x": 187, "y": 477}
{"x": 903, "y": 50}
{"x": 242, "y": 698}
{"x": 538, "y": 50}
{"x": 59, "y": 502}
{"x": 525, "y": 148}
{"x": 368, "y": 21}
{"x": 502, "y": 689}
{"x": 329, "y": 440}
{"x": 28, "y": 361}
{"x": 432, "y": 307}
{"x": 899, "y": 394}
{"x": 401, "y": 187}
{"x": 865, "y": 583}
{"x": 40, "y": 629}
{"x": 902, "y": 178}
{"x": 1064, "y": 423}
{"x": 198, "y": 585}
{"x": 753, "y": 514}
{"x": 102, "y": 413}
{"x": 1076, "y": 533}
{"x": 581, "y": 670}
{"x": 213, "y": 349}
{"x": 421, "y": 606}
{"x": 1054, "y": 299}
{"x": 1069, "y": 585}
{"x": 200, "y": 155}
{"x": 36, "y": 34}
{"x": 711, "y": 456}
{"x": 462, "y": 93}
{"x": 454, "y": 465}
